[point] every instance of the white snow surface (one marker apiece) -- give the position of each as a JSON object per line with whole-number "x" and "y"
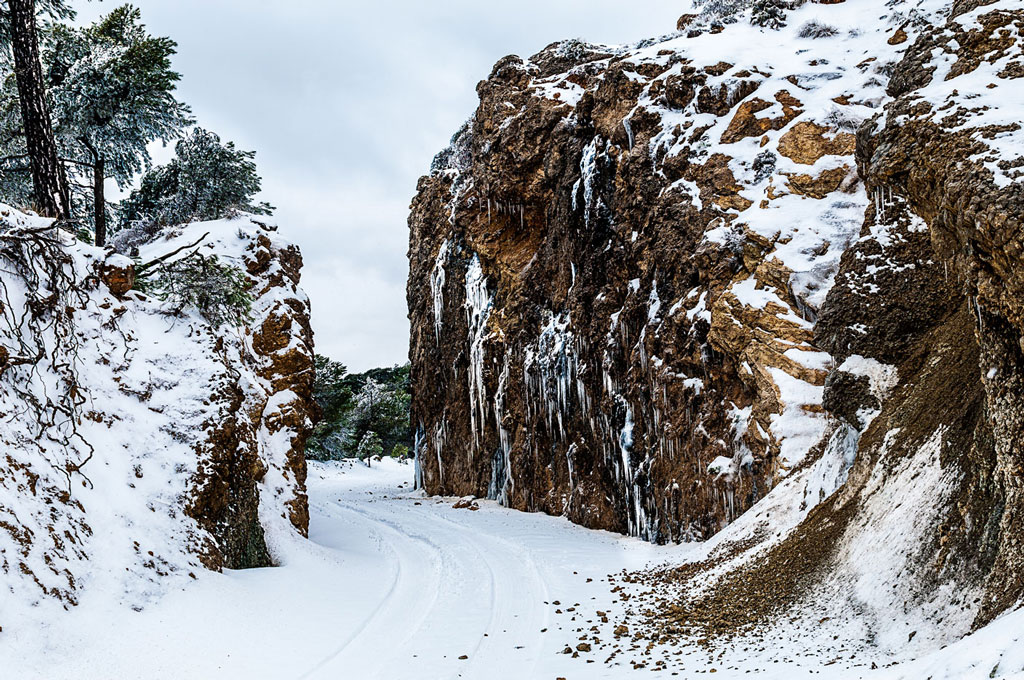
{"x": 395, "y": 586}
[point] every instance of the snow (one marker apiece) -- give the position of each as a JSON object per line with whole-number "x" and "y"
{"x": 390, "y": 586}
{"x": 796, "y": 428}
{"x": 809, "y": 358}
{"x": 560, "y": 89}
{"x": 720, "y": 466}
{"x": 396, "y": 586}
{"x": 119, "y": 261}
{"x": 700, "y": 311}
{"x": 881, "y": 377}
{"x": 880, "y": 558}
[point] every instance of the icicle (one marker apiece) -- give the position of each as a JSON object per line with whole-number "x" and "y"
{"x": 417, "y": 452}
{"x": 568, "y": 461}
{"x": 437, "y": 280}
{"x": 478, "y": 311}
{"x": 502, "y": 482}
{"x": 440, "y": 436}
{"x": 588, "y": 169}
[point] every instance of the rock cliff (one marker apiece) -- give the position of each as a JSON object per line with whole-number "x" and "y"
{"x": 653, "y": 287}
{"x": 142, "y": 440}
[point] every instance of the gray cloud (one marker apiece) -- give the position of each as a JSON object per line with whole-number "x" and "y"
{"x": 346, "y": 103}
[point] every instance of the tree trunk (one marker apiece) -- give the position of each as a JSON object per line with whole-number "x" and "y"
{"x": 100, "y": 203}
{"x": 48, "y": 180}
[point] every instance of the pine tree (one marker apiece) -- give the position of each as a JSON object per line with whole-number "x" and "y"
{"x": 333, "y": 392}
{"x": 112, "y": 89}
{"x": 16, "y": 184}
{"x": 207, "y": 180}
{"x": 18, "y": 29}
{"x": 353, "y": 405}
{"x": 369, "y": 447}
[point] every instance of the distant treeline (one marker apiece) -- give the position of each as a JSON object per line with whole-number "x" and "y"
{"x": 364, "y": 414}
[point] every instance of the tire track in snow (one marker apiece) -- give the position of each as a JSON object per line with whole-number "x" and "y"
{"x": 514, "y": 554}
{"x": 460, "y": 587}
{"x": 404, "y": 527}
{"x": 439, "y": 604}
{"x": 442, "y": 559}
{"x": 385, "y": 606}
{"x": 508, "y": 624}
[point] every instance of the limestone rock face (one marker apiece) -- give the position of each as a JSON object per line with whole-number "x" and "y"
{"x": 615, "y": 272}
{"x": 652, "y": 286}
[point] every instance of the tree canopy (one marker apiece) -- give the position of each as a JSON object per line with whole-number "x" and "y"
{"x": 206, "y": 180}
{"x": 357, "y": 406}
{"x": 112, "y": 91}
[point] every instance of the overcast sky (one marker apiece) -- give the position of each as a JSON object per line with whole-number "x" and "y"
{"x": 346, "y": 104}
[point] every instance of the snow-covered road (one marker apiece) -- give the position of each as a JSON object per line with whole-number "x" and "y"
{"x": 390, "y": 585}
{"x": 395, "y": 586}
{"x": 457, "y": 593}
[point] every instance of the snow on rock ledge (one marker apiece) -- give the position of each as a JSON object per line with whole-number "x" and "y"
{"x": 682, "y": 206}
{"x": 140, "y": 443}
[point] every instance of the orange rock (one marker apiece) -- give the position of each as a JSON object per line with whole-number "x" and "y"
{"x": 746, "y": 123}
{"x": 118, "y": 276}
{"x": 898, "y": 38}
{"x": 733, "y": 202}
{"x": 820, "y": 186}
{"x": 806, "y": 142}
{"x": 685, "y": 21}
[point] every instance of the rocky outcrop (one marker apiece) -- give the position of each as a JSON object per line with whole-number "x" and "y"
{"x": 653, "y": 288}
{"x": 142, "y": 440}
{"x": 949, "y": 156}
{"x": 262, "y": 420}
{"x": 925, "y": 396}
{"x": 615, "y": 271}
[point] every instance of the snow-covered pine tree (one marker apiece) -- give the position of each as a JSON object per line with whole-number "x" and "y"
{"x": 720, "y": 11}
{"x": 16, "y": 185}
{"x": 207, "y": 180}
{"x": 112, "y": 93}
{"x": 369, "y": 447}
